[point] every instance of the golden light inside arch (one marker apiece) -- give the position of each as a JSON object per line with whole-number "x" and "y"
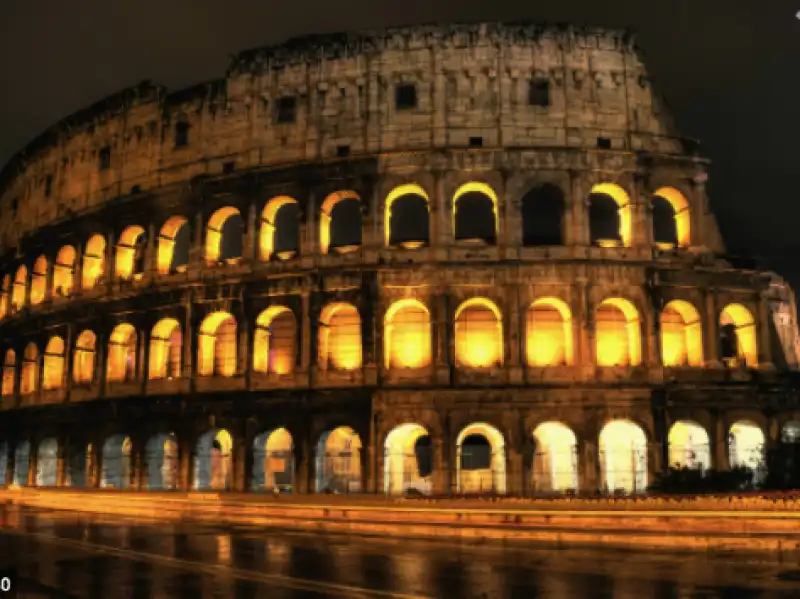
{"x": 54, "y": 360}
{"x": 681, "y": 335}
{"x": 126, "y": 252}
{"x": 493, "y": 478}
{"x": 217, "y": 221}
{"x": 548, "y": 333}
{"x": 340, "y": 337}
{"x": 325, "y": 216}
{"x": 29, "y": 378}
{"x": 64, "y": 271}
{"x": 5, "y": 295}
{"x": 279, "y": 442}
{"x": 683, "y": 219}
{"x": 400, "y": 462}
{"x": 478, "y": 333}
{"x": 555, "y": 466}
{"x": 618, "y": 331}
{"x": 623, "y": 456}
{"x": 483, "y": 189}
{"x": 83, "y": 366}
{"x": 745, "y": 326}
{"x": 39, "y": 280}
{"x": 121, "y": 364}
{"x": 166, "y": 243}
{"x": 166, "y": 349}
{"x": 217, "y": 342}
{"x": 407, "y": 335}
{"x": 623, "y": 201}
{"x": 275, "y": 341}
{"x": 746, "y": 445}
{"x": 94, "y": 261}
{"x": 398, "y": 192}
{"x": 340, "y": 453}
{"x": 9, "y": 373}
{"x": 266, "y": 241}
{"x": 689, "y": 446}
{"x": 20, "y": 288}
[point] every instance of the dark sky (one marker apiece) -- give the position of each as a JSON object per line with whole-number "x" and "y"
{"x": 730, "y": 71}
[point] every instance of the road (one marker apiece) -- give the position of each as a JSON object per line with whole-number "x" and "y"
{"x": 66, "y": 555}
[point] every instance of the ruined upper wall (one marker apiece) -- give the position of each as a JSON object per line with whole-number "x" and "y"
{"x": 472, "y": 85}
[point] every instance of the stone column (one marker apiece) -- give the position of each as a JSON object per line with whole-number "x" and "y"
{"x": 243, "y": 362}
{"x": 250, "y": 245}
{"x": 239, "y": 463}
{"x": 764, "y": 338}
{"x": 109, "y": 272}
{"x": 62, "y": 461}
{"x": 303, "y": 471}
{"x": 309, "y": 236}
{"x": 33, "y": 464}
{"x": 710, "y": 331}
{"x": 189, "y": 344}
{"x": 305, "y": 332}
{"x": 589, "y": 467}
{"x": 197, "y": 252}
{"x": 444, "y": 206}
{"x": 184, "y": 466}
{"x": 719, "y": 437}
{"x": 580, "y": 206}
{"x": 151, "y": 250}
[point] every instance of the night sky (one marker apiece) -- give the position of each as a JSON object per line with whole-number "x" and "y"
{"x": 730, "y": 71}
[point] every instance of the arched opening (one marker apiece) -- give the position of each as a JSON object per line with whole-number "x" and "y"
{"x": 407, "y": 335}
{"x": 475, "y": 213}
{"x": 339, "y": 461}
{"x": 478, "y": 334}
{"x": 790, "y": 433}
{"x": 174, "y": 243}
{"x": 22, "y": 463}
{"x": 548, "y": 333}
{"x": 225, "y": 236}
{"x": 555, "y": 459}
{"x": 29, "y": 379}
{"x": 84, "y": 359}
{"x": 9, "y": 373}
{"x": 64, "y": 271}
{"x": 609, "y": 216}
{"x": 623, "y": 457}
{"x": 747, "y": 448}
{"x": 689, "y": 446}
{"x": 681, "y": 335}
{"x": 481, "y": 461}
{"x": 161, "y": 461}
{"x": 94, "y": 261}
{"x": 39, "y": 280}
{"x": 618, "y": 330}
{"x": 543, "y": 216}
{"x": 738, "y": 337}
{"x": 79, "y": 465}
{"x": 217, "y": 342}
{"x": 130, "y": 259}
{"x": 116, "y": 464}
{"x": 275, "y": 341}
{"x": 340, "y": 337}
{"x": 54, "y": 358}
{"x": 5, "y": 296}
{"x": 166, "y": 350}
{"x": 47, "y": 463}
{"x": 20, "y": 289}
{"x": 122, "y": 354}
{"x": 671, "y": 218}
{"x": 406, "y": 218}
{"x": 213, "y": 462}
{"x": 280, "y": 229}
{"x": 273, "y": 461}
{"x": 340, "y": 222}
{"x": 407, "y": 460}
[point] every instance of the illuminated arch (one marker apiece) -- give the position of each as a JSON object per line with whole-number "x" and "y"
{"x": 39, "y": 280}
{"x": 20, "y": 288}
{"x": 47, "y": 463}
{"x": 619, "y": 335}
{"x": 268, "y": 235}
{"x": 64, "y": 271}
{"x": 273, "y": 461}
{"x": 116, "y": 464}
{"x": 405, "y": 193}
{"x": 597, "y": 215}
{"x": 216, "y": 235}
{"x": 555, "y": 459}
{"x": 217, "y": 343}
{"x": 338, "y": 461}
{"x": 29, "y": 378}
{"x": 681, "y": 335}
{"x": 481, "y": 460}
{"x": 476, "y": 187}
{"x": 213, "y": 461}
{"x": 623, "y": 457}
{"x": 407, "y": 335}
{"x": 738, "y": 336}
{"x": 162, "y": 462}
{"x": 340, "y": 337}
{"x": 681, "y": 215}
{"x": 407, "y": 461}
{"x": 130, "y": 253}
{"x": 326, "y": 219}
{"x": 94, "y": 261}
{"x": 54, "y": 360}
{"x": 83, "y": 368}
{"x": 166, "y": 350}
{"x": 275, "y": 342}
{"x": 689, "y": 446}
{"x": 478, "y": 334}
{"x": 9, "y": 373}
{"x": 747, "y": 448}
{"x": 548, "y": 333}
{"x": 5, "y": 296}
{"x": 174, "y": 240}
{"x": 122, "y": 345}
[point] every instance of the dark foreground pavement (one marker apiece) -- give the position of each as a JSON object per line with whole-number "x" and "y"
{"x": 64, "y": 554}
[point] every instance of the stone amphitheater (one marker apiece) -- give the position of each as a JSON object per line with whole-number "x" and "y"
{"x": 436, "y": 259}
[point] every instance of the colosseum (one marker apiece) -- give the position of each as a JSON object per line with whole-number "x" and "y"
{"x": 433, "y": 260}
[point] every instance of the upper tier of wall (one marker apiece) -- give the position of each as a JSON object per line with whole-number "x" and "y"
{"x": 472, "y": 85}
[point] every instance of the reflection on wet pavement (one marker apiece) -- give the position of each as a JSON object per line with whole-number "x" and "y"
{"x": 64, "y": 554}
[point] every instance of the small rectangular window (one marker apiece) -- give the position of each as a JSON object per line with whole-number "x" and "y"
{"x": 104, "y": 158}
{"x": 475, "y": 142}
{"x": 285, "y": 110}
{"x": 181, "y": 134}
{"x": 342, "y": 151}
{"x": 228, "y": 167}
{"x": 405, "y": 96}
{"x": 603, "y": 143}
{"x": 48, "y": 185}
{"x": 539, "y": 93}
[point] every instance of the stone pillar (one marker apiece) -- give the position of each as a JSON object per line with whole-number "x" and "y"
{"x": 138, "y": 468}
{"x": 711, "y": 331}
{"x": 589, "y": 468}
{"x": 189, "y": 344}
{"x": 305, "y": 332}
{"x": 33, "y": 464}
{"x": 250, "y": 246}
{"x": 719, "y": 437}
{"x": 197, "y": 252}
{"x": 144, "y": 358}
{"x": 151, "y": 250}
{"x": 303, "y": 471}
{"x": 445, "y": 209}
{"x": 62, "y": 462}
{"x": 580, "y": 215}
{"x": 651, "y": 354}
{"x": 309, "y": 239}
{"x": 100, "y": 369}
{"x": 239, "y": 463}
{"x": 764, "y": 338}
{"x": 110, "y": 269}
{"x": 242, "y": 350}
{"x": 440, "y": 482}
